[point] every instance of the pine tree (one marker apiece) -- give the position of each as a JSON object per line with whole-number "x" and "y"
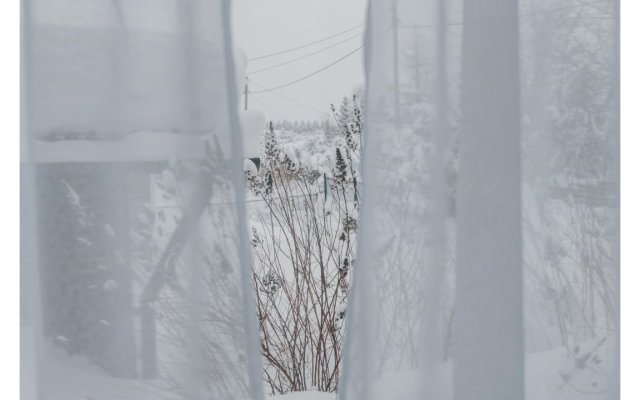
{"x": 340, "y": 170}
{"x": 356, "y": 125}
{"x": 344, "y": 116}
{"x": 270, "y": 147}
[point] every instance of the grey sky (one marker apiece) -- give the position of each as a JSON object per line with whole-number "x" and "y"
{"x": 267, "y": 26}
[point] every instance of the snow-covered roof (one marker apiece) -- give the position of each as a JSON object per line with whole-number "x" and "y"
{"x": 113, "y": 71}
{"x": 142, "y": 146}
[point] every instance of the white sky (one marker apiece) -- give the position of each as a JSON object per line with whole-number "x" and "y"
{"x": 267, "y": 26}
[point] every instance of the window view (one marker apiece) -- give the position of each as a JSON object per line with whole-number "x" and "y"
{"x": 312, "y": 200}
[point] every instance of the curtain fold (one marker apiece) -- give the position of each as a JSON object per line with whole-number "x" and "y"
{"x": 135, "y": 252}
{"x": 487, "y": 259}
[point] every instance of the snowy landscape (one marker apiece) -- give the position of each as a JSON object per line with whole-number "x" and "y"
{"x": 200, "y": 221}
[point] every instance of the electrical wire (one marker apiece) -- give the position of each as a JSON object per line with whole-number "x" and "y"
{"x": 294, "y": 101}
{"x": 306, "y": 55}
{"x": 306, "y": 44}
{"x": 313, "y": 73}
{"x": 317, "y": 71}
{"x": 256, "y": 98}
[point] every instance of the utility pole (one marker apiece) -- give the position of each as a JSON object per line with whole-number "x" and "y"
{"x": 396, "y": 79}
{"x": 246, "y": 93}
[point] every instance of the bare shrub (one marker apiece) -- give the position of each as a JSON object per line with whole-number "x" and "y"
{"x": 303, "y": 241}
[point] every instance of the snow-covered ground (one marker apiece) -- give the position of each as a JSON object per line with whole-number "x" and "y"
{"x": 65, "y": 377}
{"x": 308, "y": 395}
{"x": 312, "y": 150}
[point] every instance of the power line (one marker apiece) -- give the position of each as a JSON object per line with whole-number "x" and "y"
{"x": 306, "y": 55}
{"x": 313, "y": 73}
{"x": 269, "y": 109}
{"x": 306, "y": 44}
{"x": 297, "y": 102}
{"x": 294, "y": 101}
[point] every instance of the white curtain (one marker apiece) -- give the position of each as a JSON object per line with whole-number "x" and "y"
{"x": 487, "y": 259}
{"x": 487, "y": 264}
{"x": 135, "y": 253}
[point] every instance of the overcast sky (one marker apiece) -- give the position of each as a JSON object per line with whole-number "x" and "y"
{"x": 267, "y": 26}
